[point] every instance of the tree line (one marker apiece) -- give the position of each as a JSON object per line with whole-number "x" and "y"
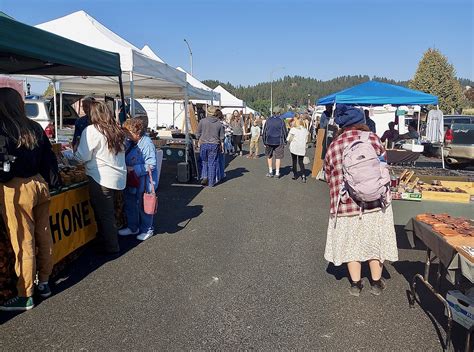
{"x": 295, "y": 91}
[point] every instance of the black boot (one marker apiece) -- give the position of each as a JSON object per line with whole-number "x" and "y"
{"x": 355, "y": 288}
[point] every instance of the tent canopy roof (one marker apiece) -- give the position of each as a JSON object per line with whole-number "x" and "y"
{"x": 227, "y": 99}
{"x": 208, "y": 93}
{"x": 28, "y": 50}
{"x": 151, "y": 77}
{"x": 378, "y": 93}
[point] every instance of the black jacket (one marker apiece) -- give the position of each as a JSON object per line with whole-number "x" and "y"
{"x": 40, "y": 160}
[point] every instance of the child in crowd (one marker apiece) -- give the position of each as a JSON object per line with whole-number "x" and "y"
{"x": 228, "y": 148}
{"x": 255, "y": 132}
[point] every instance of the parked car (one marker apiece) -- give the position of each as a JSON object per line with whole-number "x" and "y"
{"x": 459, "y": 145}
{"x": 42, "y": 111}
{"x": 449, "y": 120}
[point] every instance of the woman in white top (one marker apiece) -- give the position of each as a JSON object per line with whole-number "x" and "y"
{"x": 101, "y": 148}
{"x": 298, "y": 137}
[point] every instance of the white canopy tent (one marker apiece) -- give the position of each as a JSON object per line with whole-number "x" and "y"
{"x": 227, "y": 99}
{"x": 171, "y": 112}
{"x": 206, "y": 93}
{"x": 141, "y": 75}
{"x": 230, "y": 102}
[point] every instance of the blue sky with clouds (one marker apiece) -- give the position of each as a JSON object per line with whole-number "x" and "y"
{"x": 242, "y": 40}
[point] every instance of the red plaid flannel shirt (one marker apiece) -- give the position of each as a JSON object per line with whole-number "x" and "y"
{"x": 334, "y": 173}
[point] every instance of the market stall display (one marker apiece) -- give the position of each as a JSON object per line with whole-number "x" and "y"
{"x": 72, "y": 226}
{"x": 409, "y": 185}
{"x": 452, "y": 248}
{"x": 31, "y": 51}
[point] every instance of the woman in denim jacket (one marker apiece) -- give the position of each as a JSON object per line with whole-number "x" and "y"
{"x": 140, "y": 157}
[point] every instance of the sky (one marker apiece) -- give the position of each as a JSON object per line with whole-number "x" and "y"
{"x": 242, "y": 41}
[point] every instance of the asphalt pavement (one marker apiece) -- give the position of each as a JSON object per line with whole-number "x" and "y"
{"x": 236, "y": 267}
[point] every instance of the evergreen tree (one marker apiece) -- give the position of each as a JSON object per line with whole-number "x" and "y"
{"x": 435, "y": 75}
{"x": 49, "y": 92}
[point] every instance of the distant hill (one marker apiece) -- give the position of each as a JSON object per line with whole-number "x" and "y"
{"x": 294, "y": 90}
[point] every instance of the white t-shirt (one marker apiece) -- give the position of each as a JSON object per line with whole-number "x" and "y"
{"x": 105, "y": 167}
{"x": 255, "y": 132}
{"x": 298, "y": 137}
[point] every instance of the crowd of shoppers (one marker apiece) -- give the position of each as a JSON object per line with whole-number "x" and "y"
{"x": 111, "y": 154}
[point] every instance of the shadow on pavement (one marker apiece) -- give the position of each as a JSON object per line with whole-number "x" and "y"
{"x": 430, "y": 305}
{"x": 75, "y": 268}
{"x": 234, "y": 173}
{"x": 174, "y": 213}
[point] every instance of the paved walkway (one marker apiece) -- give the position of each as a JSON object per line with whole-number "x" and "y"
{"x": 239, "y": 266}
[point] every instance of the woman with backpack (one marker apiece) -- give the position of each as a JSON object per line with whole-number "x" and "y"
{"x": 361, "y": 227}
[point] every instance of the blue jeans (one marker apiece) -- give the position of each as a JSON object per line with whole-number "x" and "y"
{"x": 210, "y": 162}
{"x": 136, "y": 217}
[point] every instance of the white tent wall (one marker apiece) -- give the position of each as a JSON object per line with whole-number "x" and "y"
{"x": 163, "y": 113}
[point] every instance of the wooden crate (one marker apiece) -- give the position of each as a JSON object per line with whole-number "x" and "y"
{"x": 451, "y": 197}
{"x": 465, "y": 186}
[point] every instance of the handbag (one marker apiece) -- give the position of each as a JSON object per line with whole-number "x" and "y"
{"x": 150, "y": 200}
{"x": 306, "y": 160}
{"x": 133, "y": 180}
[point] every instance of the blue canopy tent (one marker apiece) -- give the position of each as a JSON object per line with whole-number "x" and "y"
{"x": 378, "y": 93}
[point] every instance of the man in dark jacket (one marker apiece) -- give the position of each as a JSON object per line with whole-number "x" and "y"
{"x": 274, "y": 138}
{"x": 211, "y": 141}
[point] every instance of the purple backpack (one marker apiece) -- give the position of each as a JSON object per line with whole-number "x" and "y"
{"x": 366, "y": 178}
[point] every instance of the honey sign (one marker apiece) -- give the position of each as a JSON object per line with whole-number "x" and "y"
{"x": 72, "y": 222}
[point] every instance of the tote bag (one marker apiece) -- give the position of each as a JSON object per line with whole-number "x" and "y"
{"x": 150, "y": 200}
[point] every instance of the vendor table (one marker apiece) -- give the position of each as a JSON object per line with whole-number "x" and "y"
{"x": 455, "y": 263}
{"x": 400, "y": 156}
{"x": 72, "y": 225}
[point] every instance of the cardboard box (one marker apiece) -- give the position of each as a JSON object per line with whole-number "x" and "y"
{"x": 462, "y": 308}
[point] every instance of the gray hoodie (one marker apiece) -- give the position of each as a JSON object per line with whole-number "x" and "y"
{"x": 210, "y": 131}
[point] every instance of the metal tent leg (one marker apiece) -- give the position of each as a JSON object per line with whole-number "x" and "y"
{"x": 425, "y": 282}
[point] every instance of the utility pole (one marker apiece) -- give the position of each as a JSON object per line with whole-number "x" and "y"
{"x": 190, "y": 56}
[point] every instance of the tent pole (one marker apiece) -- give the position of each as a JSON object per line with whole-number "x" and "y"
{"x": 174, "y": 115}
{"x": 55, "y": 111}
{"x": 419, "y": 118}
{"x": 186, "y": 128}
{"x": 157, "y": 107}
{"x": 442, "y": 145}
{"x": 61, "y": 112}
{"x": 122, "y": 98}
{"x": 132, "y": 96}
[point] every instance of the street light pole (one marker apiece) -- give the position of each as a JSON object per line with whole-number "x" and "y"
{"x": 271, "y": 87}
{"x": 190, "y": 56}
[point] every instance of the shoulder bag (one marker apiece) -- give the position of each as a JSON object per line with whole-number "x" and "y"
{"x": 150, "y": 200}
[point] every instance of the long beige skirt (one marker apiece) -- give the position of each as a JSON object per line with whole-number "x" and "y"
{"x": 355, "y": 238}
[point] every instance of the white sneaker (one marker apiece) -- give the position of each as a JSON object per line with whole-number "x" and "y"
{"x": 127, "y": 232}
{"x": 144, "y": 236}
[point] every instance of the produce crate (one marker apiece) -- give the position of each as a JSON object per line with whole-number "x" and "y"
{"x": 451, "y": 197}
